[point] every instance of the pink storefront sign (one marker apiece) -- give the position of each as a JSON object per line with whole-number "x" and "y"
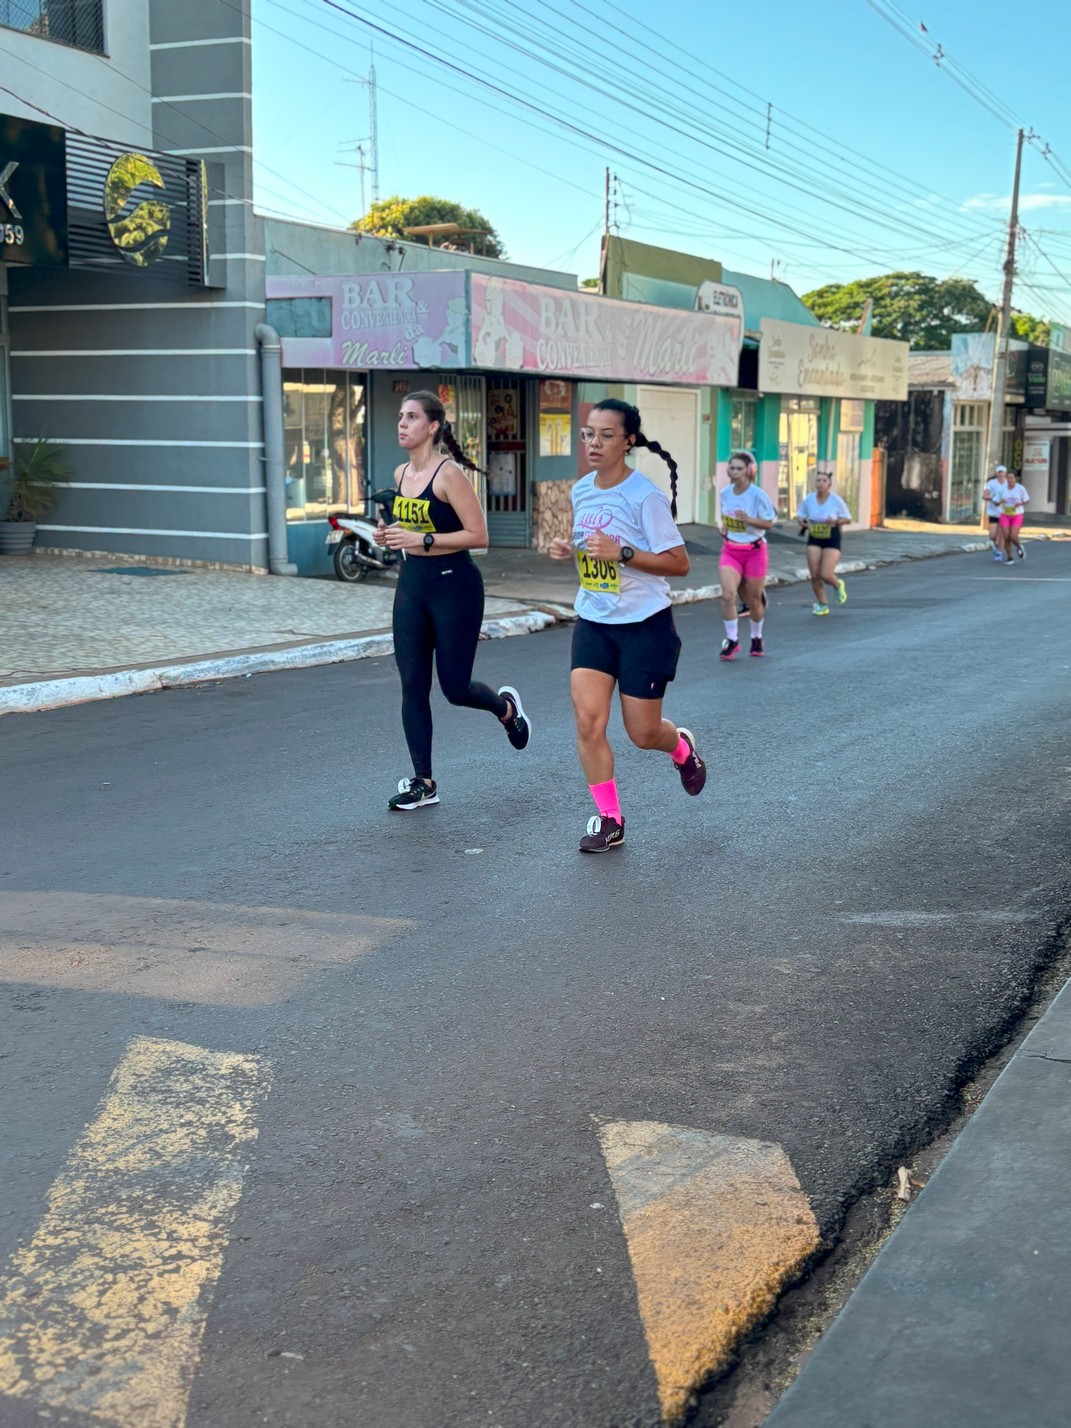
{"x": 382, "y": 321}
{"x": 519, "y": 327}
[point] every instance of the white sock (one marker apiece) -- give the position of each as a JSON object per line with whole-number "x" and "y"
{"x": 732, "y": 629}
{"x": 756, "y": 629}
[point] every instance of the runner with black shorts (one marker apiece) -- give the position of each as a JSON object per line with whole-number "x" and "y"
{"x": 625, "y": 542}
{"x": 822, "y": 514}
{"x": 438, "y": 605}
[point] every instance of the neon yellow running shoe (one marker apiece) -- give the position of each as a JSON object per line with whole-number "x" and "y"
{"x": 842, "y": 590}
{"x": 817, "y": 609}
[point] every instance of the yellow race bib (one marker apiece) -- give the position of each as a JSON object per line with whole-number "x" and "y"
{"x": 820, "y": 531}
{"x": 412, "y": 514}
{"x": 601, "y": 577}
{"x": 1011, "y": 510}
{"x": 733, "y": 524}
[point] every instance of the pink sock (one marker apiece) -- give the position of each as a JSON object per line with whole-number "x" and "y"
{"x": 681, "y": 752}
{"x": 605, "y": 796}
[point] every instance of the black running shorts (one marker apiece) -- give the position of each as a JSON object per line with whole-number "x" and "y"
{"x": 833, "y": 543}
{"x": 642, "y": 657}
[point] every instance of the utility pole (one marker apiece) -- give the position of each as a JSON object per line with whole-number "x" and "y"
{"x": 606, "y": 209}
{"x": 1000, "y": 351}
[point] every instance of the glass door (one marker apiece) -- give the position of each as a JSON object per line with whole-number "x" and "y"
{"x": 799, "y": 451}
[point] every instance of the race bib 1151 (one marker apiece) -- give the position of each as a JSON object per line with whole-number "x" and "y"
{"x": 414, "y": 515}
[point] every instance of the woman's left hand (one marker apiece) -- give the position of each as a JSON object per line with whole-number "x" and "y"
{"x": 601, "y": 547}
{"x": 398, "y": 538}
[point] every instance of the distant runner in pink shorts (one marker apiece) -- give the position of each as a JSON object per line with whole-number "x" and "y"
{"x": 747, "y": 513}
{"x": 1013, "y": 502}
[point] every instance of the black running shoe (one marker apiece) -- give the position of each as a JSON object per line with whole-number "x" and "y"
{"x": 693, "y": 771}
{"x": 729, "y": 649}
{"x": 756, "y": 647}
{"x": 602, "y": 835}
{"x": 518, "y": 726}
{"x": 413, "y": 793}
{"x": 1020, "y": 552}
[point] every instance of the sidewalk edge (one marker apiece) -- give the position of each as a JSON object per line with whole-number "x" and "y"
{"x": 39, "y": 695}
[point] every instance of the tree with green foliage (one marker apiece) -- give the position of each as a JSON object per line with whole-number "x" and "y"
{"x": 390, "y": 217}
{"x": 916, "y": 308}
{"x": 1031, "y": 329}
{"x": 913, "y": 307}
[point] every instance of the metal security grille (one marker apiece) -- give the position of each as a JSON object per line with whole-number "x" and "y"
{"x": 91, "y": 240}
{"x": 71, "y": 22}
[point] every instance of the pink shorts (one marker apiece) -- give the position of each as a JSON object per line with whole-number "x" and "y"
{"x": 1010, "y": 523}
{"x": 752, "y": 561}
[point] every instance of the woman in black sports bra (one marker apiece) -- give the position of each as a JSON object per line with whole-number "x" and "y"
{"x": 438, "y": 606}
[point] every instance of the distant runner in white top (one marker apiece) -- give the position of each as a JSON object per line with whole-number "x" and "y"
{"x": 747, "y": 513}
{"x": 821, "y": 515}
{"x": 994, "y": 492}
{"x": 1013, "y": 505}
{"x": 625, "y": 543}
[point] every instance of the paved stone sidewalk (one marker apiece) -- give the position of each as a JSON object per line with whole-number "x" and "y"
{"x": 65, "y": 616}
{"x": 76, "y": 628}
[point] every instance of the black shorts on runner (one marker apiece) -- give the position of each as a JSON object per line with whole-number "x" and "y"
{"x": 833, "y": 543}
{"x": 641, "y": 656}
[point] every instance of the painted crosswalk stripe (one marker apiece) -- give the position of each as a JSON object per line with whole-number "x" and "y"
{"x": 103, "y": 1312}
{"x": 715, "y": 1226}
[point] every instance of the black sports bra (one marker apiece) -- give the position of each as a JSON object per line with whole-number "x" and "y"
{"x": 426, "y": 512}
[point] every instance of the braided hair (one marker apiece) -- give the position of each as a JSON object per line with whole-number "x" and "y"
{"x": 435, "y": 411}
{"x": 630, "y": 420}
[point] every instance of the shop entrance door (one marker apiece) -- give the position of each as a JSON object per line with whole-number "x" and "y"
{"x": 799, "y": 452}
{"x": 671, "y": 417}
{"x": 507, "y": 467}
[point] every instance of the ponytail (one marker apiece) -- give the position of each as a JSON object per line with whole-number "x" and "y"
{"x": 449, "y": 440}
{"x": 659, "y": 450}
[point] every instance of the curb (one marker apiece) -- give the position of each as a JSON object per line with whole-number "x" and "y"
{"x": 83, "y": 689}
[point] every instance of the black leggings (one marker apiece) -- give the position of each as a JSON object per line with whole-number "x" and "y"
{"x": 438, "y": 610}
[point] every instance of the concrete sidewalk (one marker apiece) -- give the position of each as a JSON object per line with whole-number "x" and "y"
{"x": 78, "y": 628}
{"x": 962, "y": 1319}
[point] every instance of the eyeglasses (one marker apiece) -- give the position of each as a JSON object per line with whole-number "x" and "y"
{"x": 588, "y": 434}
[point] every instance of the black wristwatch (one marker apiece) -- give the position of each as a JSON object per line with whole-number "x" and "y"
{"x": 626, "y": 554}
{"x": 429, "y": 540}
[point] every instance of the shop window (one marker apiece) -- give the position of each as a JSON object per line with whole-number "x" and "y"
{"x": 324, "y": 427}
{"x": 71, "y": 22}
{"x": 744, "y": 422}
{"x": 798, "y": 451}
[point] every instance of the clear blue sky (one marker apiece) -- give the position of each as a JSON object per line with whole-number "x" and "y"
{"x": 877, "y": 158}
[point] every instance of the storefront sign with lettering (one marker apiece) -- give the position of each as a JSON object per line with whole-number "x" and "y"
{"x": 521, "y": 327}
{"x": 823, "y": 362}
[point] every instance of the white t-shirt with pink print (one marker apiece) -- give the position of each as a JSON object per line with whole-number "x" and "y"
{"x": 637, "y": 514}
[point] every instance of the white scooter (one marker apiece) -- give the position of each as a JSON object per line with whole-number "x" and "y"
{"x": 352, "y": 544}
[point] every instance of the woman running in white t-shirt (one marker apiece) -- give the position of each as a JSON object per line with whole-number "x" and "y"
{"x": 1013, "y": 505}
{"x": 821, "y": 514}
{"x": 625, "y": 542}
{"x": 747, "y": 513}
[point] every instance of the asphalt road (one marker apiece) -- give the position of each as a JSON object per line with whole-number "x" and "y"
{"x": 446, "y": 1003}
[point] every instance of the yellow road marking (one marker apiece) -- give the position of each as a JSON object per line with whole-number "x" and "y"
{"x": 715, "y": 1226}
{"x": 103, "y": 1312}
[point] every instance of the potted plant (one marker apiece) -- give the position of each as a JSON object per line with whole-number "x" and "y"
{"x": 39, "y": 468}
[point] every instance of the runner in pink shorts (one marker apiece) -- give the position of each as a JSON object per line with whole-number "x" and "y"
{"x": 747, "y": 513}
{"x": 1013, "y": 502}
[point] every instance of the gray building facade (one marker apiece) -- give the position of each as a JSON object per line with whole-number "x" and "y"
{"x": 148, "y": 374}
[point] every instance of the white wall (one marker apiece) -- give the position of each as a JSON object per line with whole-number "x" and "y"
{"x": 103, "y": 95}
